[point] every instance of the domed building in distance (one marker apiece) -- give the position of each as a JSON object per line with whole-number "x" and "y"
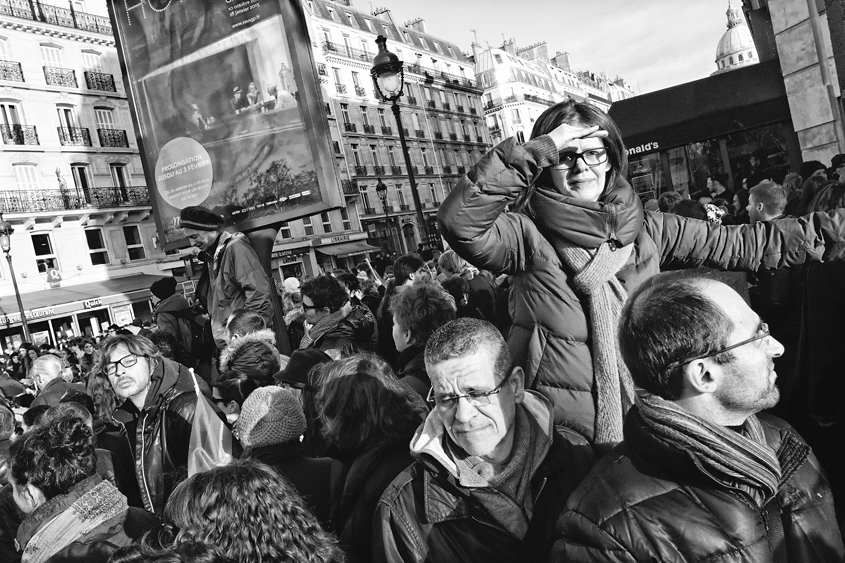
{"x": 736, "y": 47}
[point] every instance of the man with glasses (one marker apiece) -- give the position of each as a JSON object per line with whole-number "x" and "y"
{"x": 157, "y": 411}
{"x": 491, "y": 475}
{"x": 700, "y": 475}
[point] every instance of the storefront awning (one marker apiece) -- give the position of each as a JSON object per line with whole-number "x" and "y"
{"x": 347, "y": 248}
{"x": 64, "y": 300}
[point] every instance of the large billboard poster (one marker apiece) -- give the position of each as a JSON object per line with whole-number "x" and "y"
{"x": 228, "y": 109}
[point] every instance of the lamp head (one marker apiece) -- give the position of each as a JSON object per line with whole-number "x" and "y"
{"x": 5, "y": 232}
{"x": 387, "y": 72}
{"x": 381, "y": 190}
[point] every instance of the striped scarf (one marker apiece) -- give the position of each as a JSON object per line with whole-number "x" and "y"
{"x": 738, "y": 459}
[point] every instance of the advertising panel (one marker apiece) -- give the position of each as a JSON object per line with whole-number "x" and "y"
{"x": 228, "y": 109}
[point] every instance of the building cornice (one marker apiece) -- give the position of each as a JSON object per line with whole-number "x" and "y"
{"x": 57, "y": 32}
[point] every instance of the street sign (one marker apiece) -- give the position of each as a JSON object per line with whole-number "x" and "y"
{"x": 54, "y": 277}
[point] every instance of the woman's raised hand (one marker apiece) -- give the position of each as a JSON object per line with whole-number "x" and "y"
{"x": 564, "y": 134}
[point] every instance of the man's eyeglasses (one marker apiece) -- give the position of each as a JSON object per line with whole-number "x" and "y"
{"x": 762, "y": 332}
{"x": 126, "y": 361}
{"x": 475, "y": 398}
{"x": 591, "y": 158}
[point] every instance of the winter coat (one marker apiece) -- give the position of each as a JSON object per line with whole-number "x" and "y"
{"x": 161, "y": 431}
{"x": 427, "y": 515}
{"x": 412, "y": 371}
{"x": 317, "y": 480}
{"x": 356, "y": 332}
{"x": 550, "y": 336}
{"x": 482, "y": 297}
{"x": 111, "y": 436}
{"x": 99, "y": 543}
{"x": 233, "y": 279}
{"x": 166, "y": 315}
{"x": 650, "y": 501}
{"x": 10, "y": 519}
{"x": 253, "y": 355}
{"x": 10, "y": 387}
{"x": 54, "y": 391}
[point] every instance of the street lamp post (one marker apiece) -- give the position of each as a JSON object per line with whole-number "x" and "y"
{"x": 389, "y": 80}
{"x": 381, "y": 191}
{"x": 6, "y": 245}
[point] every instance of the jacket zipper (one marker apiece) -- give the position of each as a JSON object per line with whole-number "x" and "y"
{"x": 143, "y": 455}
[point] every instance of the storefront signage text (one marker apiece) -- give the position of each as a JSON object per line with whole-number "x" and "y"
{"x": 647, "y": 147}
{"x": 293, "y": 252}
{"x": 91, "y": 303}
{"x": 340, "y": 238}
{"x": 36, "y": 314}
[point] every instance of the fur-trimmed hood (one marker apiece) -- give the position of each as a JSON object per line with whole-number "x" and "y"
{"x": 254, "y": 354}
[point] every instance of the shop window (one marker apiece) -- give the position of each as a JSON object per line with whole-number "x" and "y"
{"x": 344, "y": 216}
{"x": 284, "y": 230}
{"x": 97, "y": 247}
{"x": 309, "y": 226}
{"x": 134, "y": 244}
{"x": 326, "y": 221}
{"x": 45, "y": 257}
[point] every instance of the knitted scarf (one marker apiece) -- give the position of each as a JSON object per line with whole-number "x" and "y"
{"x": 322, "y": 326}
{"x": 66, "y": 518}
{"x": 595, "y": 275}
{"x": 737, "y": 459}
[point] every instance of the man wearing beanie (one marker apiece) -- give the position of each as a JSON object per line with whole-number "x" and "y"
{"x": 171, "y": 311}
{"x": 232, "y": 277}
{"x": 269, "y": 428}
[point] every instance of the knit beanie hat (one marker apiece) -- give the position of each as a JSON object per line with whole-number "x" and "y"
{"x": 200, "y": 219}
{"x": 163, "y": 288}
{"x": 270, "y": 415}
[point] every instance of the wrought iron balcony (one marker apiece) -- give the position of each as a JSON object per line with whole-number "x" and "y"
{"x": 462, "y": 169}
{"x": 99, "y": 81}
{"x": 360, "y": 170}
{"x": 411, "y": 100}
{"x": 473, "y": 111}
{"x": 404, "y": 207}
{"x": 321, "y": 69}
{"x": 341, "y": 88}
{"x": 115, "y": 138}
{"x": 396, "y": 170}
{"x": 12, "y": 71}
{"x": 431, "y": 104}
{"x": 386, "y": 130}
{"x": 19, "y": 134}
{"x": 74, "y": 136}
{"x": 36, "y": 11}
{"x": 27, "y": 201}
{"x": 479, "y": 139}
{"x": 371, "y": 129}
{"x": 350, "y": 188}
{"x": 447, "y": 169}
{"x": 466, "y": 138}
{"x": 359, "y": 91}
{"x": 350, "y": 127}
{"x": 420, "y": 133}
{"x": 379, "y": 170}
{"x": 405, "y": 131}
{"x": 348, "y": 52}
{"x": 336, "y": 146}
{"x": 369, "y": 211}
{"x": 429, "y": 169}
{"x": 459, "y": 109}
{"x": 57, "y": 76}
{"x": 438, "y": 135}
{"x": 415, "y": 169}
{"x": 447, "y": 106}
{"x": 495, "y": 130}
{"x": 453, "y": 136}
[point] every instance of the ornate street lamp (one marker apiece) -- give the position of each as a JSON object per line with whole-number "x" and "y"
{"x": 6, "y": 245}
{"x": 381, "y": 191}
{"x": 389, "y": 80}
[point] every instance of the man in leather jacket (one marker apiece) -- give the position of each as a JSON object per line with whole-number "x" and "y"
{"x": 335, "y": 325}
{"x": 491, "y": 475}
{"x": 158, "y": 412}
{"x": 700, "y": 476}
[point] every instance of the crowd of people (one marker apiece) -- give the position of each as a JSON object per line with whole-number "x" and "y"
{"x": 577, "y": 378}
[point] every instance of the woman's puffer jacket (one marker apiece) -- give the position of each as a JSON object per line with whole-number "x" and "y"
{"x": 550, "y": 336}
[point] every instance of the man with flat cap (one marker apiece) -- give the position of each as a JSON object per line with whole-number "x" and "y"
{"x": 232, "y": 277}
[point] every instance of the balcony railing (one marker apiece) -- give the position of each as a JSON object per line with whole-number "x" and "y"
{"x": 99, "y": 81}
{"x": 412, "y": 101}
{"x": 34, "y": 10}
{"x": 27, "y": 201}
{"x": 420, "y": 133}
{"x": 404, "y": 207}
{"x": 360, "y": 170}
{"x": 447, "y": 169}
{"x": 359, "y": 91}
{"x": 438, "y": 135}
{"x": 115, "y": 138}
{"x": 351, "y": 127}
{"x": 371, "y": 129}
{"x": 10, "y": 70}
{"x": 74, "y": 136}
{"x": 462, "y": 169}
{"x": 415, "y": 169}
{"x": 396, "y": 170}
{"x": 386, "y": 130}
{"x": 336, "y": 146}
{"x": 369, "y": 211}
{"x": 321, "y": 69}
{"x": 473, "y": 111}
{"x": 405, "y": 131}
{"x": 479, "y": 139}
{"x": 429, "y": 169}
{"x": 512, "y": 98}
{"x": 379, "y": 170}
{"x": 447, "y": 106}
{"x": 56, "y": 76}
{"x": 19, "y": 134}
{"x": 495, "y": 130}
{"x": 538, "y": 100}
{"x": 350, "y": 187}
{"x": 431, "y": 104}
{"x": 466, "y": 138}
{"x": 341, "y": 88}
{"x": 459, "y": 109}
{"x": 453, "y": 136}
{"x": 349, "y": 52}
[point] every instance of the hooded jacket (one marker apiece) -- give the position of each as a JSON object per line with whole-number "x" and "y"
{"x": 168, "y": 320}
{"x": 233, "y": 278}
{"x": 649, "y": 501}
{"x": 550, "y": 336}
{"x": 427, "y": 515}
{"x": 254, "y": 355}
{"x": 162, "y": 431}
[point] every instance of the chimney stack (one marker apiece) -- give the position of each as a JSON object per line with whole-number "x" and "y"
{"x": 561, "y": 60}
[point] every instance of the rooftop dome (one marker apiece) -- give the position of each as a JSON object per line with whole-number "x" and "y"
{"x": 736, "y": 47}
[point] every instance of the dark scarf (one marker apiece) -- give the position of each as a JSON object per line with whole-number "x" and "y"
{"x": 740, "y": 459}
{"x": 322, "y": 327}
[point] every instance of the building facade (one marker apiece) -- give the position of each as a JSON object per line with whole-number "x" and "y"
{"x": 84, "y": 246}
{"x": 520, "y": 84}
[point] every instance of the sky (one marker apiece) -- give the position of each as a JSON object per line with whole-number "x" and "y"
{"x": 653, "y": 44}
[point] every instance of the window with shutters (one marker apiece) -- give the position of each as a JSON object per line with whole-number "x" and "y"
{"x": 26, "y": 176}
